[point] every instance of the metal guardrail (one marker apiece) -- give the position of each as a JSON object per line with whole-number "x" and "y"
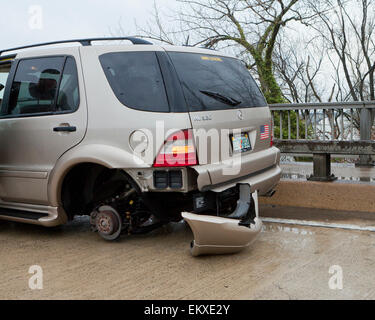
{"x": 324, "y": 147}
{"x": 322, "y": 129}
{"x": 332, "y": 115}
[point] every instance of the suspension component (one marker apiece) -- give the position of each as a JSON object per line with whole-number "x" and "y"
{"x": 123, "y": 214}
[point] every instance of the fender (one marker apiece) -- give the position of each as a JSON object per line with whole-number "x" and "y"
{"x": 107, "y": 156}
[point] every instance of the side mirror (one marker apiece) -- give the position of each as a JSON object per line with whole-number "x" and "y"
{"x": 1, "y": 86}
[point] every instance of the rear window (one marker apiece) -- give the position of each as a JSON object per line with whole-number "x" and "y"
{"x": 216, "y": 83}
{"x": 136, "y": 80}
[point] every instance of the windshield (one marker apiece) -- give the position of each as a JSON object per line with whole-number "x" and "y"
{"x": 216, "y": 83}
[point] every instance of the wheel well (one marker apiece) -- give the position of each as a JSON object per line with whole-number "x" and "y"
{"x": 87, "y": 184}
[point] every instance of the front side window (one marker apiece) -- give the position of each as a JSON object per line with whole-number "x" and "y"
{"x": 35, "y": 85}
{"x": 136, "y": 80}
{"x": 44, "y": 85}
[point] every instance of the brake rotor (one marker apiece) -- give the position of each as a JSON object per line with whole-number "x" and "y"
{"x": 108, "y": 223}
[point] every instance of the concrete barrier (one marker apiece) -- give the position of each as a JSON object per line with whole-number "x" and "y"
{"x": 321, "y": 195}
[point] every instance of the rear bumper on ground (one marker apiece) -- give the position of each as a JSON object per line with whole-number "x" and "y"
{"x": 223, "y": 235}
{"x": 215, "y": 235}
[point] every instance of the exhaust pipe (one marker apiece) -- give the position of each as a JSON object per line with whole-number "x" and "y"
{"x": 225, "y": 235}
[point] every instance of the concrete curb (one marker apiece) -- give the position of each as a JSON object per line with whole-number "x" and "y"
{"x": 320, "y": 195}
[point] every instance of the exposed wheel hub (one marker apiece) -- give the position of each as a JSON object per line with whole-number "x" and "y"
{"x": 107, "y": 222}
{"x": 124, "y": 213}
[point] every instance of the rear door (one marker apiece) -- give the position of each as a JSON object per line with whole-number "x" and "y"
{"x": 43, "y": 115}
{"x": 226, "y": 104}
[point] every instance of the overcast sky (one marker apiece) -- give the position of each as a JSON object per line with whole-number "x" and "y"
{"x": 20, "y": 22}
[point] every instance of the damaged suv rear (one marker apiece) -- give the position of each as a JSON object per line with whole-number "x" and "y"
{"x": 142, "y": 135}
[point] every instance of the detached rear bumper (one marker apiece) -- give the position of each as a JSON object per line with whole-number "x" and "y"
{"x": 223, "y": 235}
{"x": 215, "y": 235}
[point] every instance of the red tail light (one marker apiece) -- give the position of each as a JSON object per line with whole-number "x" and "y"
{"x": 271, "y": 134}
{"x": 178, "y": 151}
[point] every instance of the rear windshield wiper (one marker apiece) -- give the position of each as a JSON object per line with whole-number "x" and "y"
{"x": 222, "y": 98}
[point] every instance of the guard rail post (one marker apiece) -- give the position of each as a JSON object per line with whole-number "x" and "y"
{"x": 322, "y": 168}
{"x": 365, "y": 132}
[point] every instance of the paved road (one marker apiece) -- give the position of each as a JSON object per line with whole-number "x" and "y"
{"x": 285, "y": 263}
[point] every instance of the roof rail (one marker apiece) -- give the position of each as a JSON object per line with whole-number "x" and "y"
{"x": 7, "y": 57}
{"x": 84, "y": 42}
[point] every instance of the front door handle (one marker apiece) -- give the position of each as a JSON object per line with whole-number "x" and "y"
{"x": 65, "y": 129}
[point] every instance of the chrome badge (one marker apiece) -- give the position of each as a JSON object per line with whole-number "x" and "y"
{"x": 240, "y": 115}
{"x": 203, "y": 118}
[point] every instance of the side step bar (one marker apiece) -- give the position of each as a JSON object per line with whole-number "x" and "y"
{"x": 224, "y": 235}
{"x": 33, "y": 214}
{"x": 21, "y": 214}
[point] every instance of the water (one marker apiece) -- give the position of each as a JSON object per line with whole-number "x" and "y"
{"x": 345, "y": 172}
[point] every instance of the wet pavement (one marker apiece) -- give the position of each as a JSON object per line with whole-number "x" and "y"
{"x": 286, "y": 262}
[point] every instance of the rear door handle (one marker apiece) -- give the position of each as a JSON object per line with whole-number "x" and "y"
{"x": 65, "y": 129}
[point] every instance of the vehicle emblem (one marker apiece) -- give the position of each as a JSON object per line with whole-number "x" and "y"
{"x": 203, "y": 118}
{"x": 240, "y": 115}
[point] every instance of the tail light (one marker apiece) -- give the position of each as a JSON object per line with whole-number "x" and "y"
{"x": 271, "y": 134}
{"x": 178, "y": 151}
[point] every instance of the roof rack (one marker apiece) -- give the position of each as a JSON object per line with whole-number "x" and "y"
{"x": 83, "y": 42}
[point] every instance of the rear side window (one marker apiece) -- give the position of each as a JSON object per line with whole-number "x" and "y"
{"x": 44, "y": 85}
{"x": 216, "y": 83}
{"x": 136, "y": 80}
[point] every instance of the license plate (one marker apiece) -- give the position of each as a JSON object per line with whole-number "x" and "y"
{"x": 241, "y": 143}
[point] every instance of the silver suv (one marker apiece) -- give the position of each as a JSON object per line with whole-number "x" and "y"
{"x": 135, "y": 136}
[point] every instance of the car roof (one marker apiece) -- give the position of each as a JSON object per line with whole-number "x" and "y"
{"x": 191, "y": 49}
{"x": 101, "y": 49}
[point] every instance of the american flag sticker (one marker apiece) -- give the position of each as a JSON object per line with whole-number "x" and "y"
{"x": 265, "y": 132}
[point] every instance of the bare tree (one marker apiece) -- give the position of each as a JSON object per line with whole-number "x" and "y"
{"x": 348, "y": 33}
{"x": 299, "y": 71}
{"x": 345, "y": 41}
